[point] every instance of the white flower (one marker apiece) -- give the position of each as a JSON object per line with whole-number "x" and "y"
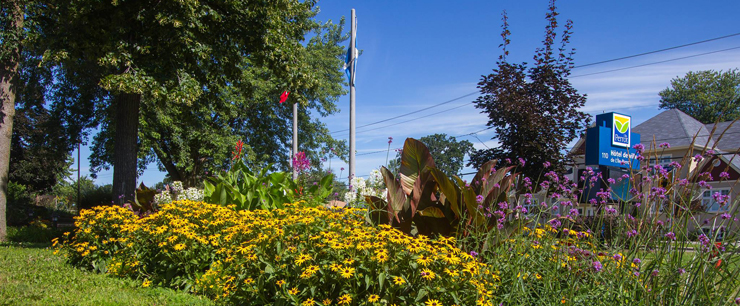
{"x": 163, "y": 198}
{"x": 176, "y": 186}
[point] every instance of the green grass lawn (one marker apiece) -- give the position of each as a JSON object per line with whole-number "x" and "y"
{"x": 30, "y": 274}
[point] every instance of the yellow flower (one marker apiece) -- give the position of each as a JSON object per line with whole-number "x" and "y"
{"x": 293, "y": 291}
{"x": 326, "y": 302}
{"x": 146, "y": 283}
{"x": 398, "y": 280}
{"x": 345, "y": 299}
{"x": 308, "y": 302}
{"x": 347, "y": 272}
{"x": 433, "y": 303}
{"x": 427, "y": 274}
{"x": 179, "y": 246}
{"x": 249, "y": 281}
{"x": 302, "y": 258}
{"x": 280, "y": 283}
{"x": 373, "y": 298}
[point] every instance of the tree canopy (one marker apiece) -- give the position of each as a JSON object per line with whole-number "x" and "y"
{"x": 534, "y": 110}
{"x": 707, "y": 95}
{"x": 447, "y": 151}
{"x": 179, "y": 82}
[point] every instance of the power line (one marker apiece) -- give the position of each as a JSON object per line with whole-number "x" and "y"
{"x": 656, "y": 51}
{"x": 588, "y": 74}
{"x": 422, "y": 117}
{"x": 473, "y": 133}
{"x": 654, "y": 63}
{"x": 411, "y": 113}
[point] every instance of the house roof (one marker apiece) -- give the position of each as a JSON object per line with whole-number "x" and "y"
{"x": 674, "y": 127}
{"x": 730, "y": 135}
{"x": 678, "y": 129}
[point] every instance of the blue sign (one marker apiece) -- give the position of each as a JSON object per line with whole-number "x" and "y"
{"x": 610, "y": 142}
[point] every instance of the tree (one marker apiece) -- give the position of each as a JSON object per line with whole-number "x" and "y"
{"x": 707, "y": 95}
{"x": 40, "y": 148}
{"x": 190, "y": 142}
{"x": 448, "y": 153}
{"x": 533, "y": 110}
{"x": 167, "y": 55}
{"x": 11, "y": 36}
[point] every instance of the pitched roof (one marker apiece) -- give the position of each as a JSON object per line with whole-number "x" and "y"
{"x": 674, "y": 127}
{"x": 730, "y": 140}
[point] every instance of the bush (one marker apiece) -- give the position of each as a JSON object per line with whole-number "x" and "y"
{"x": 37, "y": 232}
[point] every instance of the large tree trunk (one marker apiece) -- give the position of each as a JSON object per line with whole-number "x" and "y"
{"x": 8, "y": 82}
{"x": 125, "y": 147}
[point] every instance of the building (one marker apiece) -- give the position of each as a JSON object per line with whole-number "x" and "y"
{"x": 672, "y": 138}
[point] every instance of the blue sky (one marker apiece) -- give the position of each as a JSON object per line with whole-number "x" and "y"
{"x": 420, "y": 53}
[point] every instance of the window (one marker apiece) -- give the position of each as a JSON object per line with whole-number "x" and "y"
{"x": 709, "y": 202}
{"x": 663, "y": 160}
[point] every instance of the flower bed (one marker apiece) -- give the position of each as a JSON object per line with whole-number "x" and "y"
{"x": 296, "y": 255}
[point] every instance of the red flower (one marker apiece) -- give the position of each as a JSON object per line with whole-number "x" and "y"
{"x": 237, "y": 150}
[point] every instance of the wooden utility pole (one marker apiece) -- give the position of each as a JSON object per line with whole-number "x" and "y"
{"x": 78, "y": 172}
{"x": 352, "y": 62}
{"x": 295, "y": 139}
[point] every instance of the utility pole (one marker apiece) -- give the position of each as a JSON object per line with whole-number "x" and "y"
{"x": 352, "y": 62}
{"x": 79, "y": 142}
{"x": 295, "y": 138}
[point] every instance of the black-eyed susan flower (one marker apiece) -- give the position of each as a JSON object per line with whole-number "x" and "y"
{"x": 427, "y": 274}
{"x": 346, "y": 272}
{"x": 397, "y": 280}
{"x": 432, "y": 302}
{"x": 344, "y": 299}
{"x": 373, "y": 298}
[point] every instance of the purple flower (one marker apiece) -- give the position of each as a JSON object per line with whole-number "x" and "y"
{"x": 574, "y": 212}
{"x": 671, "y": 236}
{"x": 704, "y": 239}
{"x": 724, "y": 175}
{"x": 546, "y": 164}
{"x": 597, "y": 266}
{"x": 655, "y": 273}
{"x": 522, "y": 161}
{"x": 637, "y": 261}
{"x": 737, "y": 301}
{"x": 681, "y": 271}
{"x": 725, "y": 216}
{"x": 473, "y": 253}
{"x": 300, "y": 162}
{"x": 698, "y": 158}
{"x": 617, "y": 257}
{"x": 390, "y": 139}
{"x": 665, "y": 145}
{"x": 639, "y": 147}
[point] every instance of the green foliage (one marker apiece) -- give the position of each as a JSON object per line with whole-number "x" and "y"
{"x": 425, "y": 197}
{"x": 315, "y": 193}
{"x": 708, "y": 95}
{"x": 447, "y": 151}
{"x": 19, "y": 205}
{"x": 32, "y": 275}
{"x": 39, "y": 155}
{"x": 91, "y": 194}
{"x": 248, "y": 190}
{"x": 37, "y": 231}
{"x": 534, "y": 110}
